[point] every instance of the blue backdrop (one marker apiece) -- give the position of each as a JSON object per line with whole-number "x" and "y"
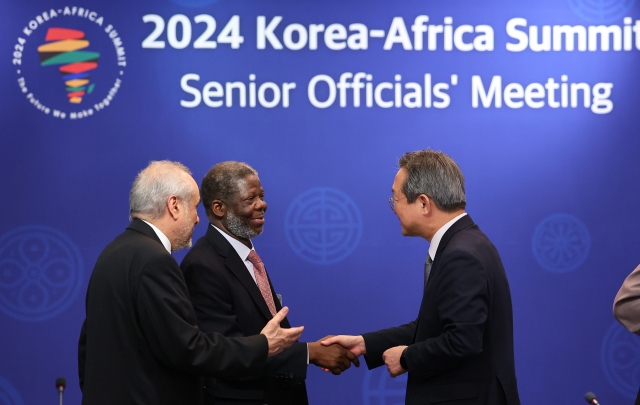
{"x": 322, "y": 98}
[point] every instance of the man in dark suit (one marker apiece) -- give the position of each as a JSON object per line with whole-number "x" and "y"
{"x": 460, "y": 348}
{"x": 139, "y": 343}
{"x": 233, "y": 295}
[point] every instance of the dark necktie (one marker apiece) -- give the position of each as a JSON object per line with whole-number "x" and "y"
{"x": 427, "y": 268}
{"x": 262, "y": 280}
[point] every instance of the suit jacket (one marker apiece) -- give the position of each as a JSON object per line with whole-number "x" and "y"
{"x": 460, "y": 348}
{"x": 626, "y": 306}
{"x": 139, "y": 343}
{"x": 227, "y": 300}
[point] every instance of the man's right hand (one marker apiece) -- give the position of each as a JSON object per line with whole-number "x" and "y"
{"x": 277, "y": 337}
{"x": 355, "y": 344}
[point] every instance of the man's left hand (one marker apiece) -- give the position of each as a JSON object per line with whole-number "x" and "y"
{"x": 391, "y": 358}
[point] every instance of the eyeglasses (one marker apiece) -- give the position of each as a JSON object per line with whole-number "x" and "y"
{"x": 392, "y": 202}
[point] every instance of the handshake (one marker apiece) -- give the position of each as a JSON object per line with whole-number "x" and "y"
{"x": 332, "y": 353}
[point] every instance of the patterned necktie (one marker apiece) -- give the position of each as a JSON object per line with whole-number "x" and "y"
{"x": 262, "y": 280}
{"x": 427, "y": 268}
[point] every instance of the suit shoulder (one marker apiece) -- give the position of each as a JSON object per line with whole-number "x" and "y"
{"x": 137, "y": 248}
{"x": 203, "y": 253}
{"x": 469, "y": 239}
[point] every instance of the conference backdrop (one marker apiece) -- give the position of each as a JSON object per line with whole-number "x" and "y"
{"x": 537, "y": 101}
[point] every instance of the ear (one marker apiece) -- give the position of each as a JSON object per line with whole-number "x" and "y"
{"x": 173, "y": 205}
{"x": 218, "y": 208}
{"x": 426, "y": 205}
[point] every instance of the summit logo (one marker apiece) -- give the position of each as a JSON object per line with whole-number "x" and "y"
{"x": 75, "y": 46}
{"x": 65, "y": 50}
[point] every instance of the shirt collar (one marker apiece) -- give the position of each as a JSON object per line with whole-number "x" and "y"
{"x": 433, "y": 248}
{"x": 242, "y": 250}
{"x": 163, "y": 238}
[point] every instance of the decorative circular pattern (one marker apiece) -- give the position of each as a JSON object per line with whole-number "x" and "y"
{"x": 621, "y": 360}
{"x": 40, "y": 273}
{"x": 323, "y": 225}
{"x": 8, "y": 394}
{"x": 602, "y": 11}
{"x": 561, "y": 243}
{"x": 380, "y": 389}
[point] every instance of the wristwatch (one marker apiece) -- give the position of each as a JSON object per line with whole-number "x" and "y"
{"x": 403, "y": 359}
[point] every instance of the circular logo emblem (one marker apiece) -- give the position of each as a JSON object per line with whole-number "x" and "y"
{"x": 561, "y": 242}
{"x": 8, "y": 394}
{"x": 621, "y": 360}
{"x": 40, "y": 273}
{"x": 380, "y": 389}
{"x": 601, "y": 11}
{"x": 323, "y": 225}
{"x": 69, "y": 62}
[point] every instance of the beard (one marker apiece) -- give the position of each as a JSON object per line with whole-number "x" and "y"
{"x": 184, "y": 234}
{"x": 239, "y": 228}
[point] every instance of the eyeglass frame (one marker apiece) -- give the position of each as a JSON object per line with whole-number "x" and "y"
{"x": 392, "y": 202}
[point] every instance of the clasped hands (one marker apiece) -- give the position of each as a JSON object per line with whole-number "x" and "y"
{"x": 356, "y": 345}
{"x": 331, "y": 357}
{"x": 331, "y": 353}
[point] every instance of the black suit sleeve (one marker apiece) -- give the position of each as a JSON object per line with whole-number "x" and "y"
{"x": 216, "y": 312}
{"x": 462, "y": 303}
{"x": 168, "y": 323}
{"x": 82, "y": 354}
{"x": 377, "y": 342}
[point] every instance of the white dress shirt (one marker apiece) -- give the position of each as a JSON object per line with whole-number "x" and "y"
{"x": 163, "y": 238}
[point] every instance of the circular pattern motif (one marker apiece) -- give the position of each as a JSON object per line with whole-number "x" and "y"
{"x": 380, "y": 389}
{"x": 40, "y": 273}
{"x": 602, "y": 11}
{"x": 561, "y": 243}
{"x": 621, "y": 360}
{"x": 323, "y": 225}
{"x": 8, "y": 394}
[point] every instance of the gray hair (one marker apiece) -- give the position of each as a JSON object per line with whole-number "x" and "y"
{"x": 222, "y": 182}
{"x": 154, "y": 185}
{"x": 436, "y": 175}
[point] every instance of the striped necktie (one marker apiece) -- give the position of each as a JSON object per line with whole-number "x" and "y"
{"x": 262, "y": 280}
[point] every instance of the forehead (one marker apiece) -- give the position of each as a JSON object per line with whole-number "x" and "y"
{"x": 249, "y": 184}
{"x": 401, "y": 175}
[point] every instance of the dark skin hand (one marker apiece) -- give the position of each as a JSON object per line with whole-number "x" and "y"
{"x": 334, "y": 358}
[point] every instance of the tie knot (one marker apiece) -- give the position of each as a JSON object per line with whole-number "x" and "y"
{"x": 254, "y": 258}
{"x": 428, "y": 260}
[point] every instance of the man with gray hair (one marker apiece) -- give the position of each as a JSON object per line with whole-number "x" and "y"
{"x": 233, "y": 294}
{"x": 139, "y": 343}
{"x": 460, "y": 348}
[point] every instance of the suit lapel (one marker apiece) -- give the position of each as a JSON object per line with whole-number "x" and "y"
{"x": 235, "y": 265}
{"x": 460, "y": 224}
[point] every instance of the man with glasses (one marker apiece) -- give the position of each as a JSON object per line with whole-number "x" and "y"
{"x": 460, "y": 348}
{"x": 233, "y": 295}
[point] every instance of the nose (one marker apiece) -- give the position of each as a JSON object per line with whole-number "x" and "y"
{"x": 262, "y": 205}
{"x": 197, "y": 219}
